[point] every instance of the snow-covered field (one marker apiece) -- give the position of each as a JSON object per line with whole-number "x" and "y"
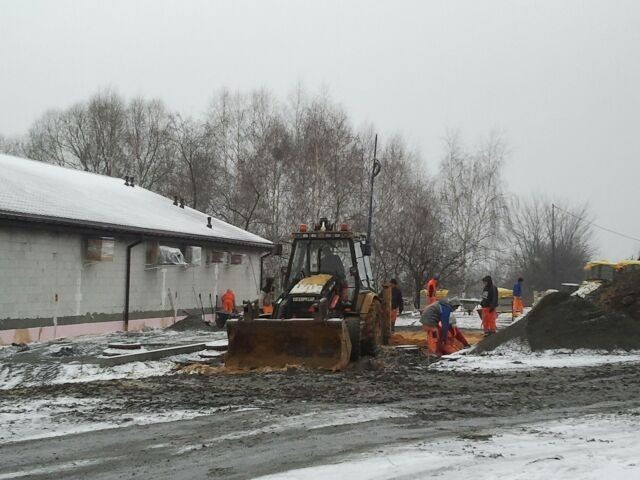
{"x": 591, "y": 447}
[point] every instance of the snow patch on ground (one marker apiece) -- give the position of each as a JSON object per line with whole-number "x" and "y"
{"x": 27, "y": 375}
{"x": 40, "y": 366}
{"x": 57, "y": 417}
{"x": 586, "y": 288}
{"x": 61, "y": 467}
{"x": 516, "y": 356}
{"x": 307, "y": 421}
{"x": 592, "y": 447}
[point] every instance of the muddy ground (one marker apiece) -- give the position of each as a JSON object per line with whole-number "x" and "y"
{"x": 432, "y": 402}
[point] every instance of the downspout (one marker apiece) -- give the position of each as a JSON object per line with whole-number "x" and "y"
{"x": 127, "y": 291}
{"x": 275, "y": 251}
{"x": 262, "y": 257}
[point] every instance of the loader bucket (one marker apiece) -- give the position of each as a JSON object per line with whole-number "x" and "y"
{"x": 277, "y": 343}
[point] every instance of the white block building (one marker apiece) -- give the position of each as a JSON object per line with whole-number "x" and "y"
{"x": 85, "y": 253}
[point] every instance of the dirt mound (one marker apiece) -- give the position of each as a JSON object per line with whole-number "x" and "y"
{"x": 563, "y": 321}
{"x": 192, "y": 322}
{"x": 623, "y": 295}
{"x": 570, "y": 322}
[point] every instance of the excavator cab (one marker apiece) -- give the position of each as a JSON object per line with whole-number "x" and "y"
{"x": 328, "y": 312}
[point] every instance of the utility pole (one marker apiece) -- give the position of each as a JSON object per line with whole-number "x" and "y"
{"x": 553, "y": 245}
{"x": 375, "y": 170}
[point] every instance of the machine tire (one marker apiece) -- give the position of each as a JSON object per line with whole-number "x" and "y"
{"x": 370, "y": 343}
{"x": 353, "y": 327}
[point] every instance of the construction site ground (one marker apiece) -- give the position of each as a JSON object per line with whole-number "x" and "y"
{"x": 399, "y": 415}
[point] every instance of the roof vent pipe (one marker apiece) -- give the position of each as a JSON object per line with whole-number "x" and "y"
{"x": 182, "y": 203}
{"x": 209, "y": 222}
{"x": 131, "y": 181}
{"x": 126, "y": 180}
{"x": 175, "y": 200}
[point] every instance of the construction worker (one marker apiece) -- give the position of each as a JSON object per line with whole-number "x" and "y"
{"x": 229, "y": 301}
{"x": 432, "y": 287}
{"x": 489, "y": 303}
{"x": 518, "y": 307}
{"x": 397, "y": 303}
{"x": 267, "y": 303}
{"x": 267, "y": 296}
{"x": 436, "y": 322}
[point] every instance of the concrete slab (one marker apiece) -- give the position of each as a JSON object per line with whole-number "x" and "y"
{"x": 150, "y": 355}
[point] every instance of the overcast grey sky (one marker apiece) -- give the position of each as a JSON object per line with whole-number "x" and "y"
{"x": 560, "y": 79}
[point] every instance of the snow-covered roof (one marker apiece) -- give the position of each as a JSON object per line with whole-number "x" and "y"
{"x": 31, "y": 190}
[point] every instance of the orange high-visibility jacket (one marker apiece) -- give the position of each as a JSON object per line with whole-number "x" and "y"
{"x": 432, "y": 286}
{"x": 228, "y": 301}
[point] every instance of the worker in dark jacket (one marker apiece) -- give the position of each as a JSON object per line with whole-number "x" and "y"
{"x": 518, "y": 307}
{"x": 489, "y": 303}
{"x": 397, "y": 303}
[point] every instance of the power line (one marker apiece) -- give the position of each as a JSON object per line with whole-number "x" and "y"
{"x": 629, "y": 237}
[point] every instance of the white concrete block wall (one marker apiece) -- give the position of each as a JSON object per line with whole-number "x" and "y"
{"x": 150, "y": 286}
{"x": 35, "y": 265}
{"x": 32, "y": 272}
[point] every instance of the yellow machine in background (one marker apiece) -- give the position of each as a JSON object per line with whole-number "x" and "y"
{"x": 599, "y": 270}
{"x": 441, "y": 294}
{"x": 505, "y": 300}
{"x": 627, "y": 266}
{"x": 328, "y": 314}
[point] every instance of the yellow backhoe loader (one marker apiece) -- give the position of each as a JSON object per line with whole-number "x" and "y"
{"x": 329, "y": 312}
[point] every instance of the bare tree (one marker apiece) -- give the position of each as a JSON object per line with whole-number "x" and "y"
{"x": 11, "y": 146}
{"x": 267, "y": 166}
{"x": 471, "y": 192}
{"x": 147, "y": 147}
{"x": 87, "y": 135}
{"x": 530, "y": 233}
{"x": 193, "y": 180}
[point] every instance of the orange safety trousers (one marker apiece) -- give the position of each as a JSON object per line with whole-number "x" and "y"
{"x": 518, "y": 307}
{"x": 459, "y": 336}
{"x": 394, "y": 316}
{"x": 452, "y": 345}
{"x": 489, "y": 320}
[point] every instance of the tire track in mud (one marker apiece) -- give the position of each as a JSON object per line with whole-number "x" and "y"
{"x": 396, "y": 377}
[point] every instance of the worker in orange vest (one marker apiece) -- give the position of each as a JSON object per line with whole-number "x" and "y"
{"x": 229, "y": 301}
{"x": 432, "y": 288}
